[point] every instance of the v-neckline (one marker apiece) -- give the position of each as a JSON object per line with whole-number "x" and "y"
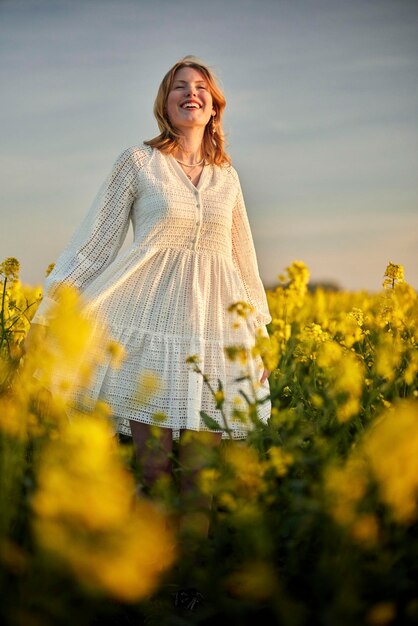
{"x": 184, "y": 176}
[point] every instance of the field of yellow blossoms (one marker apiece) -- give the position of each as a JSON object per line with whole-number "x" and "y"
{"x": 315, "y": 517}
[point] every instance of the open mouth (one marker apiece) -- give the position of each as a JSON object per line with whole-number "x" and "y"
{"x": 191, "y": 105}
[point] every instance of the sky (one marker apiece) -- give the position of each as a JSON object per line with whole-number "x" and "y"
{"x": 321, "y": 121}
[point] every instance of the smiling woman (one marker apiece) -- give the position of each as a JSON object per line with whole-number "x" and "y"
{"x": 167, "y": 297}
{"x": 190, "y": 81}
{"x": 190, "y": 106}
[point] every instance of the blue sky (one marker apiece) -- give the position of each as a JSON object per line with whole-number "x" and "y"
{"x": 321, "y": 120}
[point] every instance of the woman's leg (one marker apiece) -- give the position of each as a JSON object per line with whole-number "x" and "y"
{"x": 195, "y": 453}
{"x": 153, "y": 447}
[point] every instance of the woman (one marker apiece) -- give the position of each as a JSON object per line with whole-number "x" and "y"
{"x": 167, "y": 297}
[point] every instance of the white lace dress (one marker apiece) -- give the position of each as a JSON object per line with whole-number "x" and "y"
{"x": 166, "y": 297}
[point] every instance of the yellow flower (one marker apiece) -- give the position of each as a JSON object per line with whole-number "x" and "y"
{"x": 392, "y": 451}
{"x": 88, "y": 517}
{"x": 237, "y": 353}
{"x": 346, "y": 485}
{"x": 242, "y": 309}
{"x": 351, "y": 327}
{"x": 239, "y": 409}
{"x": 193, "y": 359}
{"x": 365, "y": 529}
{"x": 49, "y": 269}
{"x": 10, "y": 268}
{"x": 317, "y": 401}
{"x": 227, "y": 501}
{"x": 12, "y": 420}
{"x": 160, "y": 416}
{"x": 279, "y": 460}
{"x": 344, "y": 372}
{"x": 388, "y": 356}
{"x": 117, "y": 353}
{"x": 287, "y": 300}
{"x": 358, "y": 315}
{"x": 381, "y": 614}
{"x": 311, "y": 338}
{"x": 247, "y": 468}
{"x": 66, "y": 356}
{"x": 268, "y": 348}
{"x": 254, "y": 580}
{"x": 411, "y": 370}
{"x": 208, "y": 479}
{"x": 149, "y": 384}
{"x": 393, "y": 274}
{"x": 219, "y": 398}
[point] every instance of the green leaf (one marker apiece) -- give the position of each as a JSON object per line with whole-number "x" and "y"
{"x": 241, "y": 378}
{"x": 209, "y": 421}
{"x": 244, "y": 395}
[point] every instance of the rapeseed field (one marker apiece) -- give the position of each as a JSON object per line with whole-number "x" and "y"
{"x": 314, "y": 518}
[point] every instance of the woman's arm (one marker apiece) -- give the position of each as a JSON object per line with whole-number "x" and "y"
{"x": 97, "y": 240}
{"x": 245, "y": 261}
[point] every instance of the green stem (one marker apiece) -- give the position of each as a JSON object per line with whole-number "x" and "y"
{"x": 3, "y": 328}
{"x": 224, "y": 419}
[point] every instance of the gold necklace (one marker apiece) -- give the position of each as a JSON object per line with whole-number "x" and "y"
{"x": 191, "y": 164}
{"x": 189, "y": 175}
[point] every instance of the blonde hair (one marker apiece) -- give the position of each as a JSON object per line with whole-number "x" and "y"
{"x": 169, "y": 138}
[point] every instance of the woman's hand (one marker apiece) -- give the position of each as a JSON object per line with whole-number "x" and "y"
{"x": 265, "y": 375}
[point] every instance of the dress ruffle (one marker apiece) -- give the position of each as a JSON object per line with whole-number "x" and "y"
{"x": 162, "y": 332}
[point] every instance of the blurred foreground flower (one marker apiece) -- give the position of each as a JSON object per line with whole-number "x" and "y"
{"x": 391, "y": 447}
{"x": 149, "y": 384}
{"x": 256, "y": 581}
{"x": 56, "y": 370}
{"x": 88, "y": 517}
{"x": 388, "y": 458}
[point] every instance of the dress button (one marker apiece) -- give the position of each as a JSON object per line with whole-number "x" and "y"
{"x": 197, "y": 222}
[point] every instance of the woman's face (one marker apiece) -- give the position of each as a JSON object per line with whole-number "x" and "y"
{"x": 189, "y": 103}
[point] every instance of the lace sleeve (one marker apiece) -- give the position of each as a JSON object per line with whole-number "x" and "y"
{"x": 245, "y": 260}
{"x": 99, "y": 237}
